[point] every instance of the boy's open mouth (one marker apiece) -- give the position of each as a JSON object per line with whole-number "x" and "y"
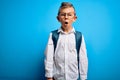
{"x": 66, "y": 22}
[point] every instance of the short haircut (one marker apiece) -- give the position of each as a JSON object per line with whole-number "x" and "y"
{"x": 65, "y": 5}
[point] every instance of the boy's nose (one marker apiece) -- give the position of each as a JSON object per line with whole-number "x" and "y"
{"x": 66, "y": 16}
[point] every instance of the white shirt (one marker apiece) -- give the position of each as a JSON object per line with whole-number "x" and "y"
{"x": 63, "y": 64}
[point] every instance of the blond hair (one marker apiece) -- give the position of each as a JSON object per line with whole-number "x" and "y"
{"x": 65, "y": 5}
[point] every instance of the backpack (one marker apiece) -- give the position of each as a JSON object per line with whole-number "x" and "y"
{"x": 78, "y": 37}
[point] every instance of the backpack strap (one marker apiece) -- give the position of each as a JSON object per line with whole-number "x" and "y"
{"x": 78, "y": 36}
{"x": 55, "y": 36}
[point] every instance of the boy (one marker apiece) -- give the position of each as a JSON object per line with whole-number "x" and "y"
{"x": 61, "y": 62}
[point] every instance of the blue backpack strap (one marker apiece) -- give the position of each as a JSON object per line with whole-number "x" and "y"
{"x": 78, "y": 36}
{"x": 55, "y": 36}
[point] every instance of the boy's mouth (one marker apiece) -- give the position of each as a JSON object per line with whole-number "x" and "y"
{"x": 66, "y": 22}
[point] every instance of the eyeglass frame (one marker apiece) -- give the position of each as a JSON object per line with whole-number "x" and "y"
{"x": 70, "y": 15}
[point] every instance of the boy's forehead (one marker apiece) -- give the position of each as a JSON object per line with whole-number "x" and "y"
{"x": 67, "y": 9}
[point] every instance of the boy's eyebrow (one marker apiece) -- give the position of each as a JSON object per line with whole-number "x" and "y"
{"x": 68, "y": 12}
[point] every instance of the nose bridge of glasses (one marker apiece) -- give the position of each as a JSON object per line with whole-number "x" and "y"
{"x": 66, "y": 15}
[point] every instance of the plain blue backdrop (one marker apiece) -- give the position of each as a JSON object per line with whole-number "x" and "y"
{"x": 25, "y": 26}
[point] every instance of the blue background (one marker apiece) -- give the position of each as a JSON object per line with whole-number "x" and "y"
{"x": 25, "y": 26}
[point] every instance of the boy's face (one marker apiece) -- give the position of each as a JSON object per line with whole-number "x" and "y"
{"x": 66, "y": 17}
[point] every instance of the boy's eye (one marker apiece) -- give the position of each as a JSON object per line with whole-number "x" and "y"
{"x": 62, "y": 14}
{"x": 66, "y": 14}
{"x": 69, "y": 14}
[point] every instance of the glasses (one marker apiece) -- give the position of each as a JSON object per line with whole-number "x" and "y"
{"x": 69, "y": 15}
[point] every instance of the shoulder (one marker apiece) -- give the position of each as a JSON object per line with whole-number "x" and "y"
{"x": 78, "y": 32}
{"x": 54, "y": 31}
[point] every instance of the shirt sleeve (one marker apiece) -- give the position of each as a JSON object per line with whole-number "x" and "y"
{"x": 83, "y": 63}
{"x": 49, "y": 58}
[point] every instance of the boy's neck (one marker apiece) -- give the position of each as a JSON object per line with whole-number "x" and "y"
{"x": 67, "y": 30}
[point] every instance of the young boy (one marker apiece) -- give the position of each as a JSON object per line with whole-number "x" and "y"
{"x": 62, "y": 61}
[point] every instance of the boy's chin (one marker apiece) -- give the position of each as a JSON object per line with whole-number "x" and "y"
{"x": 65, "y": 25}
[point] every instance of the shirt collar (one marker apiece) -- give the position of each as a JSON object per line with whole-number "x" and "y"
{"x": 72, "y": 31}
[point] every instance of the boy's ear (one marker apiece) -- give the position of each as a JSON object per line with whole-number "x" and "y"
{"x": 58, "y": 18}
{"x": 75, "y": 18}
